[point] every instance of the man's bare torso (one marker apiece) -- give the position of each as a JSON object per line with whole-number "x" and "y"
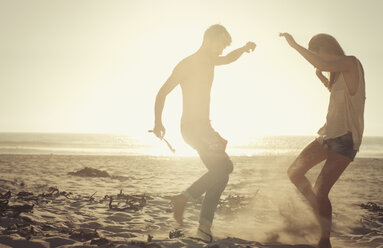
{"x": 196, "y": 74}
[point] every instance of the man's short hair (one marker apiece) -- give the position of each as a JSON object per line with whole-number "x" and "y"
{"x": 217, "y": 33}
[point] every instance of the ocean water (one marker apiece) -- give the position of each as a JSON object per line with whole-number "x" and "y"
{"x": 116, "y": 144}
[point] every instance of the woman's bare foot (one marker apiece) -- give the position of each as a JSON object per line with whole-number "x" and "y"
{"x": 205, "y": 234}
{"x": 178, "y": 202}
{"x": 324, "y": 243}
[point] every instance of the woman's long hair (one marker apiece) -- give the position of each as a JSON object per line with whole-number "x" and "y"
{"x": 330, "y": 45}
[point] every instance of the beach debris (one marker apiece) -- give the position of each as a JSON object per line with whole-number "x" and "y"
{"x": 16, "y": 209}
{"x": 176, "y": 234}
{"x": 131, "y": 202}
{"x": 13, "y": 204}
{"x": 124, "y": 196}
{"x": 150, "y": 238}
{"x": 232, "y": 204}
{"x": 53, "y": 192}
{"x": 4, "y": 199}
{"x": 91, "y": 198}
{"x": 120, "y": 195}
{"x": 26, "y": 196}
{"x": 23, "y": 224}
{"x": 90, "y": 172}
{"x": 23, "y": 230}
{"x": 372, "y": 207}
{"x": 23, "y": 194}
{"x": 372, "y": 221}
{"x": 5, "y": 196}
{"x": 66, "y": 194}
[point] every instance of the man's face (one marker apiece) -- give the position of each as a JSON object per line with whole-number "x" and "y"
{"x": 217, "y": 48}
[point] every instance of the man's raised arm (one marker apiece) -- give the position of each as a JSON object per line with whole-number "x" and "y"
{"x": 234, "y": 55}
{"x": 166, "y": 88}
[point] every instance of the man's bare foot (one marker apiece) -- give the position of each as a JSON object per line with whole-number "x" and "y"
{"x": 324, "y": 243}
{"x": 178, "y": 202}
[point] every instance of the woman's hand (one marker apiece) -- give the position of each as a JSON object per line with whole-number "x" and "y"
{"x": 289, "y": 38}
{"x": 322, "y": 78}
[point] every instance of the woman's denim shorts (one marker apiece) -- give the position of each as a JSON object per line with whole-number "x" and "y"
{"x": 342, "y": 145}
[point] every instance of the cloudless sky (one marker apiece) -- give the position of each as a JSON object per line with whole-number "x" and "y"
{"x": 96, "y": 66}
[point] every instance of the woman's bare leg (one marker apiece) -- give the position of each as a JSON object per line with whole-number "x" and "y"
{"x": 332, "y": 170}
{"x": 312, "y": 154}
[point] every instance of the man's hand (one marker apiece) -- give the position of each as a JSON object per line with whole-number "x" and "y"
{"x": 159, "y": 130}
{"x": 289, "y": 38}
{"x": 250, "y": 46}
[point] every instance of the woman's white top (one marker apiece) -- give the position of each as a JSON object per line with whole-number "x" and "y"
{"x": 345, "y": 111}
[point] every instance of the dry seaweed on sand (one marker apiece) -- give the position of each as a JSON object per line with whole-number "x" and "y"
{"x": 176, "y": 234}
{"x": 130, "y": 202}
{"x": 232, "y": 204}
{"x": 53, "y": 192}
{"x": 16, "y": 209}
{"x": 372, "y": 221}
{"x": 24, "y": 230}
{"x": 12, "y": 205}
{"x": 5, "y": 195}
{"x": 372, "y": 207}
{"x": 133, "y": 203}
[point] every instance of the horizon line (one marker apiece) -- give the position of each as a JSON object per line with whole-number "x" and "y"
{"x": 111, "y": 133}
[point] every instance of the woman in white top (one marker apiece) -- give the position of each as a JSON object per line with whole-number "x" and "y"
{"x": 339, "y": 139}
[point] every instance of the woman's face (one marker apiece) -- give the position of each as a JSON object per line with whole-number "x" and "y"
{"x": 325, "y": 55}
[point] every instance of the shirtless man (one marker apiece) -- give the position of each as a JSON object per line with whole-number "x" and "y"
{"x": 195, "y": 75}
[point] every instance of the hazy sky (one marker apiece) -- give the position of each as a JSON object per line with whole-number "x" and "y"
{"x": 96, "y": 66}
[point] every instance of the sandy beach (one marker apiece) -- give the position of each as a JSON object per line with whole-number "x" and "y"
{"x": 105, "y": 107}
{"x": 44, "y": 203}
